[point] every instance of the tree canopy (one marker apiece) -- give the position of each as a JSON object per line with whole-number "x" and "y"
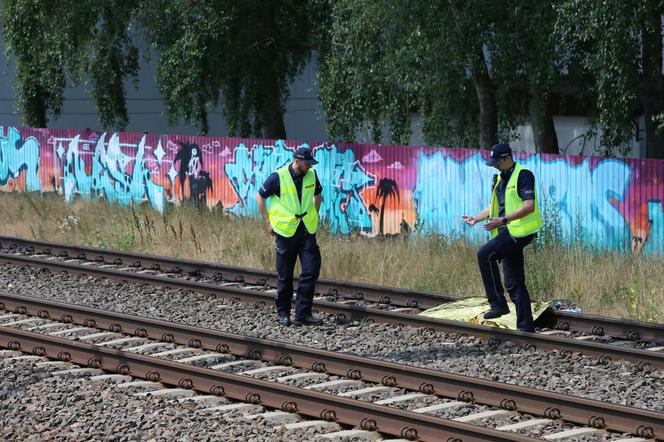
{"x": 57, "y": 43}
{"x": 618, "y": 43}
{"x": 472, "y": 70}
{"x": 247, "y": 53}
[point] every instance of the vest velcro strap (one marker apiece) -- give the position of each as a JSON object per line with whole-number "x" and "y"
{"x": 301, "y": 215}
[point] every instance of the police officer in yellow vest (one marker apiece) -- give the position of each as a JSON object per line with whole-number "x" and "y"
{"x": 294, "y": 194}
{"x": 513, "y": 221}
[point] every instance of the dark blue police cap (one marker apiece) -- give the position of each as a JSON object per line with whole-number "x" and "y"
{"x": 499, "y": 152}
{"x": 304, "y": 153}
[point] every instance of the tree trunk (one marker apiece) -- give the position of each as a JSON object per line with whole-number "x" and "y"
{"x": 652, "y": 86}
{"x": 486, "y": 98}
{"x": 272, "y": 112}
{"x": 271, "y": 97}
{"x": 202, "y": 115}
{"x": 541, "y": 120}
{"x": 382, "y": 215}
{"x": 654, "y": 136}
{"x": 34, "y": 112}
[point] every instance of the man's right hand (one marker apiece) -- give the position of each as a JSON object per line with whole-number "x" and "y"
{"x": 269, "y": 229}
{"x": 470, "y": 220}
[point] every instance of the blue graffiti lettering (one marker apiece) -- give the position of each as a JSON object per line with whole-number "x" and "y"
{"x": 589, "y": 213}
{"x": 340, "y": 175}
{"x": 342, "y": 178}
{"x": 446, "y": 189}
{"x": 655, "y": 244}
{"x": 250, "y": 169}
{"x": 17, "y": 155}
{"x": 108, "y": 178}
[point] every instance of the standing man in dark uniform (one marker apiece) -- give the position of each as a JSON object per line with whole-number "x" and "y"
{"x": 513, "y": 221}
{"x": 295, "y": 196}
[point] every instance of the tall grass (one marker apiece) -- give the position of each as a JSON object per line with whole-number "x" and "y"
{"x": 605, "y": 283}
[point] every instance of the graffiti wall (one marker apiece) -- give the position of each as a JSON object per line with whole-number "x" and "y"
{"x": 615, "y": 204}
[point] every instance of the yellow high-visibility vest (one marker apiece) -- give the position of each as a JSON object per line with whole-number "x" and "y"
{"x": 286, "y": 210}
{"x": 521, "y": 227}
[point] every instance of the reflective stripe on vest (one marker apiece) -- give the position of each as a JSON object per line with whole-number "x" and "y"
{"x": 521, "y": 227}
{"x": 286, "y": 211}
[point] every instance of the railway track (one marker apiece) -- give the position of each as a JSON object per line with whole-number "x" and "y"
{"x": 390, "y": 392}
{"x": 344, "y": 291}
{"x": 604, "y": 338}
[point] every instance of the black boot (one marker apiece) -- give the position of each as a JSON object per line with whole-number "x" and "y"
{"x": 496, "y": 313}
{"x": 308, "y": 320}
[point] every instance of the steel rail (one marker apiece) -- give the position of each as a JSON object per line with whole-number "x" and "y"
{"x": 590, "y": 324}
{"x": 572, "y": 409}
{"x": 314, "y": 404}
{"x": 494, "y": 335}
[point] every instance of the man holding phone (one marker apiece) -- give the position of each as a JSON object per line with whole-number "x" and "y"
{"x": 513, "y": 222}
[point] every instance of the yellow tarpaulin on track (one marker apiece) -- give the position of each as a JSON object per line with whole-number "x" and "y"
{"x": 471, "y": 310}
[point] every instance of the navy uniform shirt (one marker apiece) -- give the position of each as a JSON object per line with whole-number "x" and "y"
{"x": 525, "y": 188}
{"x": 271, "y": 188}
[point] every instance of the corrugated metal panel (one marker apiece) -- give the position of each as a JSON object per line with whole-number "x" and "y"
{"x": 605, "y": 203}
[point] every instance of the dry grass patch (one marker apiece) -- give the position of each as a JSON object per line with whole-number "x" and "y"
{"x": 604, "y": 283}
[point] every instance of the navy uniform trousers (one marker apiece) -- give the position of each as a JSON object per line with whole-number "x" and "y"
{"x": 302, "y": 244}
{"x": 509, "y": 250}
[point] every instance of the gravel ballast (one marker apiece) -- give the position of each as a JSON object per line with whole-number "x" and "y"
{"x": 618, "y": 382}
{"x": 37, "y": 406}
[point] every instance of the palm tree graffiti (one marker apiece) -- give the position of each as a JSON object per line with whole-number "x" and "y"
{"x": 387, "y": 188}
{"x": 373, "y": 210}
